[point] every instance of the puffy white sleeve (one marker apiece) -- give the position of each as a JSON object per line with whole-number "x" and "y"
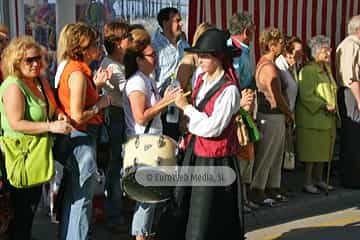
{"x": 226, "y": 105}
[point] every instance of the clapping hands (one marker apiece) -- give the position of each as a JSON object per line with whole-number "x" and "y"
{"x": 247, "y": 99}
{"x": 102, "y": 75}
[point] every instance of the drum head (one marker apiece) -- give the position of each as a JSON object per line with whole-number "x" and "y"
{"x": 141, "y": 193}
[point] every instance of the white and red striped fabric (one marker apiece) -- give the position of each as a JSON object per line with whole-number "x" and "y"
{"x": 302, "y": 18}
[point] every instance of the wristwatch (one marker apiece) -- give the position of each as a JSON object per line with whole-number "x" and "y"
{"x": 95, "y": 108}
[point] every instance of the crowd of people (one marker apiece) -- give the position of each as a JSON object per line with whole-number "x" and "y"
{"x": 114, "y": 90}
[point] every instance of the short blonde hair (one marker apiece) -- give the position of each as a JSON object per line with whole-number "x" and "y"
{"x": 203, "y": 27}
{"x": 268, "y": 37}
{"x": 140, "y": 38}
{"x": 15, "y": 52}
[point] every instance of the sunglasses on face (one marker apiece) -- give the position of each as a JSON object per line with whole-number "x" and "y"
{"x": 31, "y": 60}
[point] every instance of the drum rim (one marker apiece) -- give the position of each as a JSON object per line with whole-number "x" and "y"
{"x": 151, "y": 134}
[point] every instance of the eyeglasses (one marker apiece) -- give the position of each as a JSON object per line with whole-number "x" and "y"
{"x": 31, "y": 60}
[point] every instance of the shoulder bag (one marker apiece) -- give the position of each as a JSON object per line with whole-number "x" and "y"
{"x": 29, "y": 159}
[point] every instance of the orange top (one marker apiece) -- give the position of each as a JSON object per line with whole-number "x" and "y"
{"x": 92, "y": 95}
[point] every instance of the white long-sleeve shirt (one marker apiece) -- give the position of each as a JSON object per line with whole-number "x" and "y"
{"x": 226, "y": 105}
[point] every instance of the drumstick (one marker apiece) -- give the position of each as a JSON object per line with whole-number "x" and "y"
{"x": 165, "y": 104}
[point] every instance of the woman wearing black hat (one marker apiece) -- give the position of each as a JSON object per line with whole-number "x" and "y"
{"x": 213, "y": 211}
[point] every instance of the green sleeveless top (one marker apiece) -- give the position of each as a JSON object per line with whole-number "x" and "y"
{"x": 35, "y": 108}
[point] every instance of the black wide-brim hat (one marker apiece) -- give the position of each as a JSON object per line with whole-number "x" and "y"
{"x": 213, "y": 41}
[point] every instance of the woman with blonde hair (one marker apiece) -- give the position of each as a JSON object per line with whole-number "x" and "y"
{"x": 27, "y": 107}
{"x": 79, "y": 98}
{"x": 142, "y": 114}
{"x": 61, "y": 53}
{"x": 273, "y": 110}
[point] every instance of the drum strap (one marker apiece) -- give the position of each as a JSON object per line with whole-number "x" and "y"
{"x": 148, "y": 126}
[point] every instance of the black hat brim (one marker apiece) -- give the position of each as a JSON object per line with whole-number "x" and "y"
{"x": 229, "y": 49}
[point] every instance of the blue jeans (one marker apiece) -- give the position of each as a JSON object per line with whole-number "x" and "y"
{"x": 80, "y": 180}
{"x": 143, "y": 219}
{"x": 116, "y": 125}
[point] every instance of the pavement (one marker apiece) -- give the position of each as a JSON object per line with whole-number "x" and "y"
{"x": 300, "y": 205}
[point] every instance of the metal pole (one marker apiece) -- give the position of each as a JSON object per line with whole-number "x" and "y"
{"x": 329, "y": 167}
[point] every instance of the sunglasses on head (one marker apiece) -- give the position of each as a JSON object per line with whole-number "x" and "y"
{"x": 128, "y": 36}
{"x": 31, "y": 60}
{"x": 114, "y": 38}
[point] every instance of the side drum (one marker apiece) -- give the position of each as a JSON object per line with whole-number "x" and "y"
{"x": 144, "y": 152}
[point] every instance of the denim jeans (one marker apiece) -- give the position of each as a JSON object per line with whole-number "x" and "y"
{"x": 143, "y": 219}
{"x": 80, "y": 180}
{"x": 116, "y": 125}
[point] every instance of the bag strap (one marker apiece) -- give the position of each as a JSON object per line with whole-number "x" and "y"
{"x": 45, "y": 97}
{"x": 148, "y": 126}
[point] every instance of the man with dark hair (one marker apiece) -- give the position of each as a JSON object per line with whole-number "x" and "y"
{"x": 169, "y": 47}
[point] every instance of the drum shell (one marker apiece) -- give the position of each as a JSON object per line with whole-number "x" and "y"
{"x": 149, "y": 150}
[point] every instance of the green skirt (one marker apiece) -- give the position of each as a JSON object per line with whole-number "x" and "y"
{"x": 315, "y": 145}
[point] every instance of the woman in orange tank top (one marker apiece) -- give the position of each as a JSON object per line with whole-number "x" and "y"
{"x": 80, "y": 100}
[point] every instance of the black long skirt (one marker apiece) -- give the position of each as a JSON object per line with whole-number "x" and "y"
{"x": 209, "y": 212}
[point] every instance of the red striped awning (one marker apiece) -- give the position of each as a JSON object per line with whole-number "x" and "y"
{"x": 302, "y": 18}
